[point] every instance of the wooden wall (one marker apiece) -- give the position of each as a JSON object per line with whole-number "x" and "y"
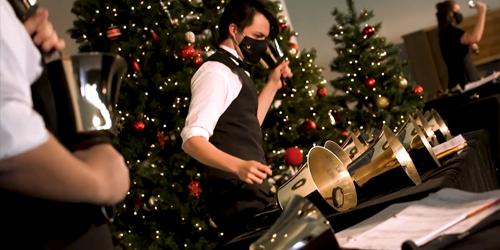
{"x": 424, "y": 56}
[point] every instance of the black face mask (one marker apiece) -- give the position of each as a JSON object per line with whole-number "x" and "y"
{"x": 458, "y": 17}
{"x": 253, "y": 49}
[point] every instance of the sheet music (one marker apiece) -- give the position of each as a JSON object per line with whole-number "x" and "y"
{"x": 454, "y": 143}
{"x": 473, "y": 85}
{"x": 414, "y": 220}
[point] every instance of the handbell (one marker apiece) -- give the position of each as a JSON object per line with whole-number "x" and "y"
{"x": 300, "y": 226}
{"x": 415, "y": 142}
{"x": 355, "y": 145}
{"x": 438, "y": 125}
{"x": 273, "y": 56}
{"x": 86, "y": 88}
{"x": 339, "y": 152}
{"x": 424, "y": 125}
{"x": 385, "y": 154}
{"x": 324, "y": 180}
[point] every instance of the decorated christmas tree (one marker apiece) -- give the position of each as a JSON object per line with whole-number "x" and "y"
{"x": 164, "y": 42}
{"x": 372, "y": 88}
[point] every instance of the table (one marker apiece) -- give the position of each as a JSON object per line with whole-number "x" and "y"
{"x": 473, "y": 110}
{"x": 471, "y": 170}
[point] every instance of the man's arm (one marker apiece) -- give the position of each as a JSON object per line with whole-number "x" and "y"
{"x": 97, "y": 175}
{"x": 205, "y": 152}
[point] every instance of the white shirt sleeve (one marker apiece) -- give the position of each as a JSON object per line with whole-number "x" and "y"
{"x": 21, "y": 128}
{"x": 213, "y": 88}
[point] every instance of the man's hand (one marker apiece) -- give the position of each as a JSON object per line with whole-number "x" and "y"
{"x": 41, "y": 30}
{"x": 253, "y": 172}
{"x": 282, "y": 70}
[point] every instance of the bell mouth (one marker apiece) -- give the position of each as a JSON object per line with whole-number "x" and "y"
{"x": 402, "y": 156}
{"x": 332, "y": 179}
{"x": 416, "y": 140}
{"x": 439, "y": 124}
{"x": 339, "y": 152}
{"x": 86, "y": 88}
{"x": 429, "y": 133}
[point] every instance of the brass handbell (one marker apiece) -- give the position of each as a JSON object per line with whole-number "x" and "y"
{"x": 300, "y": 226}
{"x": 324, "y": 180}
{"x": 385, "y": 154}
{"x": 424, "y": 125}
{"x": 415, "y": 142}
{"x": 338, "y": 151}
{"x": 355, "y": 145}
{"x": 438, "y": 125}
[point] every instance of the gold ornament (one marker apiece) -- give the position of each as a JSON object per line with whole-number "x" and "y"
{"x": 120, "y": 235}
{"x": 403, "y": 83}
{"x": 212, "y": 223}
{"x": 292, "y": 51}
{"x": 382, "y": 102}
{"x": 190, "y": 37}
{"x": 152, "y": 201}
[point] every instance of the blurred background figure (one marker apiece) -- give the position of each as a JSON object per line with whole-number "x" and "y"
{"x": 456, "y": 44}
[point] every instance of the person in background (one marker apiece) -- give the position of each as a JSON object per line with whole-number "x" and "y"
{"x": 222, "y": 129}
{"x": 33, "y": 164}
{"x": 456, "y": 44}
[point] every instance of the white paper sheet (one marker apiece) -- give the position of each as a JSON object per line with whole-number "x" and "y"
{"x": 414, "y": 220}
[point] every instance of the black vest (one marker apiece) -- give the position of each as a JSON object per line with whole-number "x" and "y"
{"x": 30, "y": 223}
{"x": 231, "y": 202}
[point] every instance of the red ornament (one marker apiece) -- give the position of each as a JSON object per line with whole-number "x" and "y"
{"x": 293, "y": 156}
{"x": 322, "y": 91}
{"x": 283, "y": 25}
{"x": 155, "y": 36}
{"x": 344, "y": 133}
{"x": 139, "y": 126}
{"x": 418, "y": 90}
{"x": 138, "y": 202}
{"x": 370, "y": 82}
{"x": 195, "y": 188}
{"x": 368, "y": 31}
{"x": 292, "y": 45}
{"x": 198, "y": 52}
{"x": 308, "y": 126}
{"x": 113, "y": 33}
{"x": 161, "y": 138}
{"x": 187, "y": 52}
{"x": 136, "y": 66}
{"x": 197, "y": 61}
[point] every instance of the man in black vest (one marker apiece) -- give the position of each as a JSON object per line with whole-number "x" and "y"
{"x": 42, "y": 185}
{"x": 222, "y": 129}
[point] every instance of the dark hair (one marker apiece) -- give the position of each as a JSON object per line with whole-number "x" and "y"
{"x": 444, "y": 13}
{"x": 241, "y": 13}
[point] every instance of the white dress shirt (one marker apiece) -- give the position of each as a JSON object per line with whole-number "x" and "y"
{"x": 213, "y": 88}
{"x": 21, "y": 127}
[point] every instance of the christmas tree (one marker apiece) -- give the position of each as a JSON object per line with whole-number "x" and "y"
{"x": 373, "y": 89}
{"x": 164, "y": 42}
